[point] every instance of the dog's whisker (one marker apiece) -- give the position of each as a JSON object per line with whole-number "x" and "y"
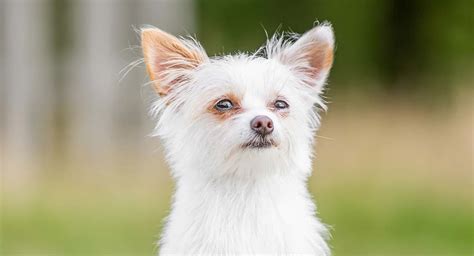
{"x": 124, "y": 71}
{"x": 323, "y": 137}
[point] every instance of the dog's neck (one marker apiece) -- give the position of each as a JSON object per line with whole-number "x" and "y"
{"x": 259, "y": 178}
{"x": 269, "y": 214}
{"x": 234, "y": 185}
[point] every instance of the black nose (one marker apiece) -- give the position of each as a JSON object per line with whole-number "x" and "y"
{"x": 262, "y": 125}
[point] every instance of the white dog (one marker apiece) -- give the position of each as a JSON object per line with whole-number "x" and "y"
{"x": 238, "y": 134}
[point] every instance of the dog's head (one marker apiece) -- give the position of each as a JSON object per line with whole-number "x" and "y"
{"x": 239, "y": 112}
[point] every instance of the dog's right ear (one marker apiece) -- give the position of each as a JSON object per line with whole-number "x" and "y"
{"x": 167, "y": 58}
{"x": 312, "y": 54}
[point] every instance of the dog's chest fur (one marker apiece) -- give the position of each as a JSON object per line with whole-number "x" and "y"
{"x": 271, "y": 216}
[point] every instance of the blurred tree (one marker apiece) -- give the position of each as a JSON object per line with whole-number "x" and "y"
{"x": 400, "y": 55}
{"x": 61, "y": 37}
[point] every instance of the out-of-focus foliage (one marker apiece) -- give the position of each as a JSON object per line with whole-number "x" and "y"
{"x": 386, "y": 40}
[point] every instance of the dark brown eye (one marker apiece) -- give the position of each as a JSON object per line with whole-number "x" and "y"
{"x": 281, "y": 104}
{"x": 224, "y": 105}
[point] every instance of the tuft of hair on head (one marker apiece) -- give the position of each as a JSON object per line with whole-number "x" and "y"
{"x": 169, "y": 59}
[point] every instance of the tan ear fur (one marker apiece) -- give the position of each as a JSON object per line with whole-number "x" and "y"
{"x": 317, "y": 48}
{"x": 162, "y": 52}
{"x": 321, "y": 56}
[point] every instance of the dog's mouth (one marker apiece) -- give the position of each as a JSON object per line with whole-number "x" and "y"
{"x": 260, "y": 142}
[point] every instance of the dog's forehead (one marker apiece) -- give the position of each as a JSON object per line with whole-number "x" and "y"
{"x": 248, "y": 77}
{"x": 259, "y": 73}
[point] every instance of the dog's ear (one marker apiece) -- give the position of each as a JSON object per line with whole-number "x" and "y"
{"x": 167, "y": 58}
{"x": 312, "y": 54}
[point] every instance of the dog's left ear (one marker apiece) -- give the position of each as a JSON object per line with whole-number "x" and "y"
{"x": 312, "y": 54}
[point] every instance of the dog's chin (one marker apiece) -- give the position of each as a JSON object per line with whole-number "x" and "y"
{"x": 260, "y": 143}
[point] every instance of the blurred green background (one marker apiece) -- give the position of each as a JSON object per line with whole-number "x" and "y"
{"x": 393, "y": 172}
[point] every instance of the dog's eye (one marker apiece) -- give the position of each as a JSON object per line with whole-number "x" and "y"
{"x": 224, "y": 105}
{"x": 281, "y": 104}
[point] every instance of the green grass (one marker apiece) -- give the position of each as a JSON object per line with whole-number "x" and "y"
{"x": 100, "y": 228}
{"x": 405, "y": 223}
{"x": 83, "y": 221}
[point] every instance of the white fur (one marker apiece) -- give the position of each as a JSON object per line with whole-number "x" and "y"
{"x": 231, "y": 200}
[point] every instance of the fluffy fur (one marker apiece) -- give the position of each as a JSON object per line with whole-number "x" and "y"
{"x": 231, "y": 199}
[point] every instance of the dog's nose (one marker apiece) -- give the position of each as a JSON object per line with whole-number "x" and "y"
{"x": 262, "y": 125}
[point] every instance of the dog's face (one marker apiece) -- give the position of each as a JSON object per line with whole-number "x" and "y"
{"x": 244, "y": 112}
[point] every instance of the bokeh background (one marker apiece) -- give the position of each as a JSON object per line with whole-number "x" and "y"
{"x": 393, "y": 173}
